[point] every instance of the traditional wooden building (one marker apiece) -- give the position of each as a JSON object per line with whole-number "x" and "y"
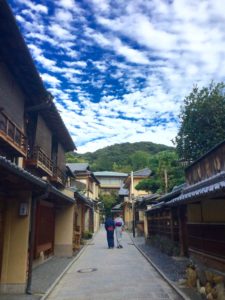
{"x": 88, "y": 185}
{"x": 36, "y": 211}
{"x": 142, "y": 203}
{"x": 203, "y": 203}
{"x": 110, "y": 182}
{"x": 166, "y": 221}
{"x": 130, "y": 194}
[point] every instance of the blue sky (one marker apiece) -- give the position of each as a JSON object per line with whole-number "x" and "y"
{"x": 119, "y": 70}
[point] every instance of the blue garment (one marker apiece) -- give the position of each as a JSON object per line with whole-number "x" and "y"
{"x": 109, "y": 227}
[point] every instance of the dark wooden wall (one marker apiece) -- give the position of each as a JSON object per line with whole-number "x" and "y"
{"x": 208, "y": 166}
{"x": 11, "y": 97}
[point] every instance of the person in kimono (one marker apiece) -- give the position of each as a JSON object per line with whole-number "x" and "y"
{"x": 109, "y": 227}
{"x": 119, "y": 225}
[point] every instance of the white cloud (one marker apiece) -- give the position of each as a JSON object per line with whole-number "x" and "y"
{"x": 131, "y": 55}
{"x": 51, "y": 80}
{"x": 146, "y": 54}
{"x": 66, "y": 3}
{"x": 81, "y": 64}
{"x": 39, "y": 8}
{"x": 60, "y": 33}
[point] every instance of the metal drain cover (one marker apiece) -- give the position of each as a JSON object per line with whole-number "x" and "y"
{"x": 87, "y": 270}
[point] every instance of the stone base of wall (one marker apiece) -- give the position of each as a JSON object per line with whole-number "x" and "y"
{"x": 12, "y": 288}
{"x": 63, "y": 250}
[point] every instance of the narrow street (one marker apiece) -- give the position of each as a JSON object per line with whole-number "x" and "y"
{"x": 113, "y": 274}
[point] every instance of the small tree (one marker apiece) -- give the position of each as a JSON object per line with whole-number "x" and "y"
{"x": 167, "y": 173}
{"x": 202, "y": 121}
{"x": 109, "y": 200}
{"x": 148, "y": 185}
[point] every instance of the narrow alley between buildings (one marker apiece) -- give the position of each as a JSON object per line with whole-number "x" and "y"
{"x": 101, "y": 273}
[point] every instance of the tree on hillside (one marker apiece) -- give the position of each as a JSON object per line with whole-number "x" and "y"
{"x": 117, "y": 157}
{"x": 167, "y": 173}
{"x": 202, "y": 121}
{"x": 139, "y": 160}
{"x": 71, "y": 158}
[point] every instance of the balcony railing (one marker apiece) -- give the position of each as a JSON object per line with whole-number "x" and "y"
{"x": 38, "y": 158}
{"x": 12, "y": 135}
{"x": 58, "y": 176}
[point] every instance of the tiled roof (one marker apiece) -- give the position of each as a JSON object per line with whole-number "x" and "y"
{"x": 110, "y": 174}
{"x": 81, "y": 197}
{"x": 156, "y": 206}
{"x": 21, "y": 172}
{"x": 60, "y": 194}
{"x": 147, "y": 198}
{"x": 76, "y": 167}
{"x": 206, "y": 187}
{"x": 14, "y": 169}
{"x": 144, "y": 172}
{"x": 123, "y": 191}
{"x": 177, "y": 190}
{"x": 117, "y": 207}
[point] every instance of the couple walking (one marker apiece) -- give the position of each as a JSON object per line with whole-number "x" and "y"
{"x": 114, "y": 225}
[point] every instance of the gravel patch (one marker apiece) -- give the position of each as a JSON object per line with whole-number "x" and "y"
{"x": 174, "y": 269}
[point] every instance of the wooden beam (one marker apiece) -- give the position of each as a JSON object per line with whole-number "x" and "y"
{"x": 38, "y": 107}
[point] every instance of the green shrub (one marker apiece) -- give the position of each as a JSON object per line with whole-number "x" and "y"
{"x": 87, "y": 235}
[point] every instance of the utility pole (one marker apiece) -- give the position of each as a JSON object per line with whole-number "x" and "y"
{"x": 166, "y": 180}
{"x": 132, "y": 199}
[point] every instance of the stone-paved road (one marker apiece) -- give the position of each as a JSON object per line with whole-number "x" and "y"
{"x": 122, "y": 274}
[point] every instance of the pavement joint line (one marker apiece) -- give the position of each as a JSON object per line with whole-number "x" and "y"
{"x": 178, "y": 291}
{"x": 50, "y": 289}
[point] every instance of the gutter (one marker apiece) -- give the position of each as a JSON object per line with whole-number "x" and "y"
{"x": 35, "y": 199}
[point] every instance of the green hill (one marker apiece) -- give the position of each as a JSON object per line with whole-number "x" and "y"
{"x": 120, "y": 157}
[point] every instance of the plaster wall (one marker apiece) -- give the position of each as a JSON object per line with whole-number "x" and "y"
{"x": 64, "y": 231}
{"x": 213, "y": 210}
{"x": 209, "y": 210}
{"x": 15, "y": 246}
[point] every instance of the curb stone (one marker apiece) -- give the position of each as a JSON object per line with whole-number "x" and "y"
{"x": 50, "y": 289}
{"x": 178, "y": 291}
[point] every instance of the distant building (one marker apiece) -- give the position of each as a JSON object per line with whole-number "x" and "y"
{"x": 87, "y": 186}
{"x": 110, "y": 181}
{"x": 127, "y": 195}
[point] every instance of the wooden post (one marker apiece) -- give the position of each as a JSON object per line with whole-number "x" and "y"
{"x": 183, "y": 236}
{"x": 171, "y": 224}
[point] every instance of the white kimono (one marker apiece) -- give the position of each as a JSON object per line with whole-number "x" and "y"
{"x": 118, "y": 230}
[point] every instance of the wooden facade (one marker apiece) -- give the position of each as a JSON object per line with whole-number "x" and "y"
{"x": 44, "y": 229}
{"x": 34, "y": 205}
{"x": 164, "y": 222}
{"x": 203, "y": 199}
{"x": 207, "y": 166}
{"x": 12, "y": 137}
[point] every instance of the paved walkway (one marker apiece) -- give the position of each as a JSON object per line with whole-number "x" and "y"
{"x": 118, "y": 274}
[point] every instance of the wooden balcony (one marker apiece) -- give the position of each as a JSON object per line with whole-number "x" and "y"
{"x": 58, "y": 176}
{"x": 11, "y": 137}
{"x": 39, "y": 159}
